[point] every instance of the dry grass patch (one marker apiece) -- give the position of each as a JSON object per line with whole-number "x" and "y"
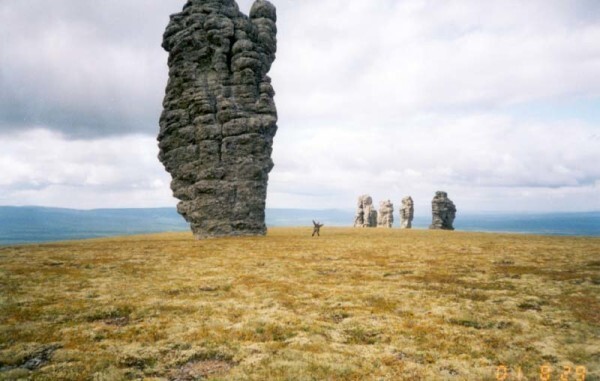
{"x": 354, "y": 304}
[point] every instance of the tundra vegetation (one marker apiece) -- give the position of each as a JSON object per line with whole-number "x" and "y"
{"x": 357, "y": 304}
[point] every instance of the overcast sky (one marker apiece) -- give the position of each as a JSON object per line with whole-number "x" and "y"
{"x": 495, "y": 102}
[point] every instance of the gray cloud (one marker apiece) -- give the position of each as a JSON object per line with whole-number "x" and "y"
{"x": 384, "y": 60}
{"x": 90, "y": 68}
{"x": 85, "y": 68}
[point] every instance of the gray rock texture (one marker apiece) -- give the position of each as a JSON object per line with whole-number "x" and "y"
{"x": 443, "y": 212}
{"x": 366, "y": 215}
{"x": 407, "y": 213}
{"x": 219, "y": 117}
{"x": 385, "y": 217}
{"x": 371, "y": 222}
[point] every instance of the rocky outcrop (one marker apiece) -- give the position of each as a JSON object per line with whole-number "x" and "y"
{"x": 385, "y": 217}
{"x": 219, "y": 118}
{"x": 366, "y": 215}
{"x": 407, "y": 212}
{"x": 443, "y": 212}
{"x": 371, "y": 222}
{"x": 359, "y": 217}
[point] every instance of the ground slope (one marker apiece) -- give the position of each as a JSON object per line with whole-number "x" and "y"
{"x": 353, "y": 304}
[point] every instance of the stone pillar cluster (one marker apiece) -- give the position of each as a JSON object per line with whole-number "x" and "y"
{"x": 443, "y": 213}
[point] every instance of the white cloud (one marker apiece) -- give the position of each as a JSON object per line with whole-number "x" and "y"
{"x": 40, "y": 167}
{"x": 476, "y": 157}
{"x": 382, "y": 60}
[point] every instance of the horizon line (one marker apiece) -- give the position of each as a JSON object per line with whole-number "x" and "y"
{"x": 466, "y": 212}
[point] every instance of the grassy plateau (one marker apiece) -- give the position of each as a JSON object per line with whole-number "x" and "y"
{"x": 353, "y": 304}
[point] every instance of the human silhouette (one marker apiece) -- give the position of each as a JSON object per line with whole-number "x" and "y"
{"x": 317, "y": 228}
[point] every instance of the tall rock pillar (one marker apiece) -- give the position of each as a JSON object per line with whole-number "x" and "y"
{"x": 385, "y": 217}
{"x": 443, "y": 212}
{"x": 366, "y": 215}
{"x": 407, "y": 212}
{"x": 219, "y": 117}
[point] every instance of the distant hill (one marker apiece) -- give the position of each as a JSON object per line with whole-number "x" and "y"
{"x": 39, "y": 224}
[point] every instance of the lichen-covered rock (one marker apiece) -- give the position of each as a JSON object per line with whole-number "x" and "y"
{"x": 366, "y": 215}
{"x": 219, "y": 117}
{"x": 443, "y": 212}
{"x": 407, "y": 212}
{"x": 385, "y": 217}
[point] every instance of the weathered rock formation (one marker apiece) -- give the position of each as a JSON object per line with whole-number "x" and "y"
{"x": 443, "y": 212}
{"x": 366, "y": 215}
{"x": 219, "y": 118}
{"x": 385, "y": 217}
{"x": 359, "y": 217}
{"x": 371, "y": 222}
{"x": 407, "y": 212}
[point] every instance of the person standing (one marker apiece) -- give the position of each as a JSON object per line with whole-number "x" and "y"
{"x": 317, "y": 228}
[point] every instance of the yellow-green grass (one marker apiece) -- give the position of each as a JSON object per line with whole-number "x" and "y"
{"x": 354, "y": 304}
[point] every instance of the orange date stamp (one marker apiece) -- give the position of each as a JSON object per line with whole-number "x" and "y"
{"x": 546, "y": 373}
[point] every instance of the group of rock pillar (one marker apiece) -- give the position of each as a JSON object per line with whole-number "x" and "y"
{"x": 219, "y": 121}
{"x": 443, "y": 212}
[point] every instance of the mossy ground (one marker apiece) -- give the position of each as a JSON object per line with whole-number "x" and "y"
{"x": 354, "y": 304}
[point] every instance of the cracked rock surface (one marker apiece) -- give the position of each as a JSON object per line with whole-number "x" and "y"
{"x": 385, "y": 217}
{"x": 443, "y": 212}
{"x": 407, "y": 212}
{"x": 219, "y": 117}
{"x": 366, "y": 215}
